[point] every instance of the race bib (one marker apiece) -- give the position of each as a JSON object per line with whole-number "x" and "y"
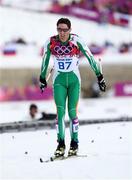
{"x": 66, "y": 64}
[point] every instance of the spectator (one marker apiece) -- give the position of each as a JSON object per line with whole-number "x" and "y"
{"x": 35, "y": 115}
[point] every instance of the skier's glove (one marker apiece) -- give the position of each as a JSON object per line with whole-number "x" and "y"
{"x": 43, "y": 83}
{"x": 101, "y": 82}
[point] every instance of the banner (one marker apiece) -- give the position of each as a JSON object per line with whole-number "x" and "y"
{"x": 123, "y": 89}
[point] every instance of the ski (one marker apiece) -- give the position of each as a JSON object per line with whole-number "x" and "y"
{"x": 54, "y": 158}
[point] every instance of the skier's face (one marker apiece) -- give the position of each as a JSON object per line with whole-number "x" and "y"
{"x": 63, "y": 32}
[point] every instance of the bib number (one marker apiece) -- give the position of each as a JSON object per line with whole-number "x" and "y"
{"x": 64, "y": 65}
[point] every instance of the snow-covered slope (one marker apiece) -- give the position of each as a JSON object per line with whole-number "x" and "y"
{"x": 108, "y": 148}
{"x": 88, "y": 109}
{"x": 35, "y": 27}
{"x": 38, "y": 27}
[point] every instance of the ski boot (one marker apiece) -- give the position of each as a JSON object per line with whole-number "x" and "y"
{"x": 60, "y": 151}
{"x": 73, "y": 148}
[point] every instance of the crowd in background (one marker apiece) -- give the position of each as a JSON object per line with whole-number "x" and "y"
{"x": 122, "y": 6}
{"x": 101, "y": 11}
{"x": 115, "y": 12}
{"x": 20, "y": 45}
{"x": 30, "y": 91}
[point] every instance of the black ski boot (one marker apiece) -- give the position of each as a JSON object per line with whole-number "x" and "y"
{"x": 73, "y": 148}
{"x": 60, "y": 151}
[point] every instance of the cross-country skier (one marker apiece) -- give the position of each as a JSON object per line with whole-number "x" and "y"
{"x": 65, "y": 49}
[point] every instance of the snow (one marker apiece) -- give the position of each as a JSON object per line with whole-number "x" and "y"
{"x": 34, "y": 61}
{"x": 38, "y": 27}
{"x": 88, "y": 109}
{"x": 108, "y": 148}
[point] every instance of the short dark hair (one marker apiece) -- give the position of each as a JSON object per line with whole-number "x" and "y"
{"x": 33, "y": 106}
{"x": 64, "y": 21}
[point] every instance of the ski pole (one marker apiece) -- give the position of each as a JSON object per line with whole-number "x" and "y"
{"x": 48, "y": 77}
{"x": 100, "y": 66}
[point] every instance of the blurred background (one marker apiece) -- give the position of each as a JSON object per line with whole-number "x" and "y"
{"x": 106, "y": 26}
{"x": 27, "y": 117}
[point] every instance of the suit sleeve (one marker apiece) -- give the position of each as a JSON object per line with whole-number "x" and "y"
{"x": 45, "y": 59}
{"x": 86, "y": 51}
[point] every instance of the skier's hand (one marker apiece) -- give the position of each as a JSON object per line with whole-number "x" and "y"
{"x": 101, "y": 82}
{"x": 43, "y": 83}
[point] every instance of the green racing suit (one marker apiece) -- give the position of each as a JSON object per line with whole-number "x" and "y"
{"x": 66, "y": 78}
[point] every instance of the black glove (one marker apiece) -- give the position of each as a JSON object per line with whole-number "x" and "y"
{"x": 43, "y": 83}
{"x": 101, "y": 82}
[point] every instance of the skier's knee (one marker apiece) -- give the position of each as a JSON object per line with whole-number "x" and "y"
{"x": 60, "y": 109}
{"x": 72, "y": 113}
{"x": 60, "y": 112}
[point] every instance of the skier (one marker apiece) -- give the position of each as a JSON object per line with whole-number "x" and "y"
{"x": 65, "y": 49}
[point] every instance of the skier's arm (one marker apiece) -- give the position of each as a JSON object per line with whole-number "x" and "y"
{"x": 85, "y": 50}
{"x": 44, "y": 66}
{"x": 45, "y": 61}
{"x": 96, "y": 68}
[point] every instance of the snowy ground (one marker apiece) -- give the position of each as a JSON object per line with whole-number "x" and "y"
{"x": 108, "y": 148}
{"x": 87, "y": 109}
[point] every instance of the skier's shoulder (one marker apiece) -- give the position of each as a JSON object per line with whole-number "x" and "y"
{"x": 53, "y": 38}
{"x": 76, "y": 38}
{"x": 49, "y": 41}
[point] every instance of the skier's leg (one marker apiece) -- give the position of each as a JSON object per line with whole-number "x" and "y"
{"x": 73, "y": 97}
{"x": 60, "y": 94}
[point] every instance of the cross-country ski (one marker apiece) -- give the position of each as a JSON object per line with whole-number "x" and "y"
{"x": 54, "y": 158}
